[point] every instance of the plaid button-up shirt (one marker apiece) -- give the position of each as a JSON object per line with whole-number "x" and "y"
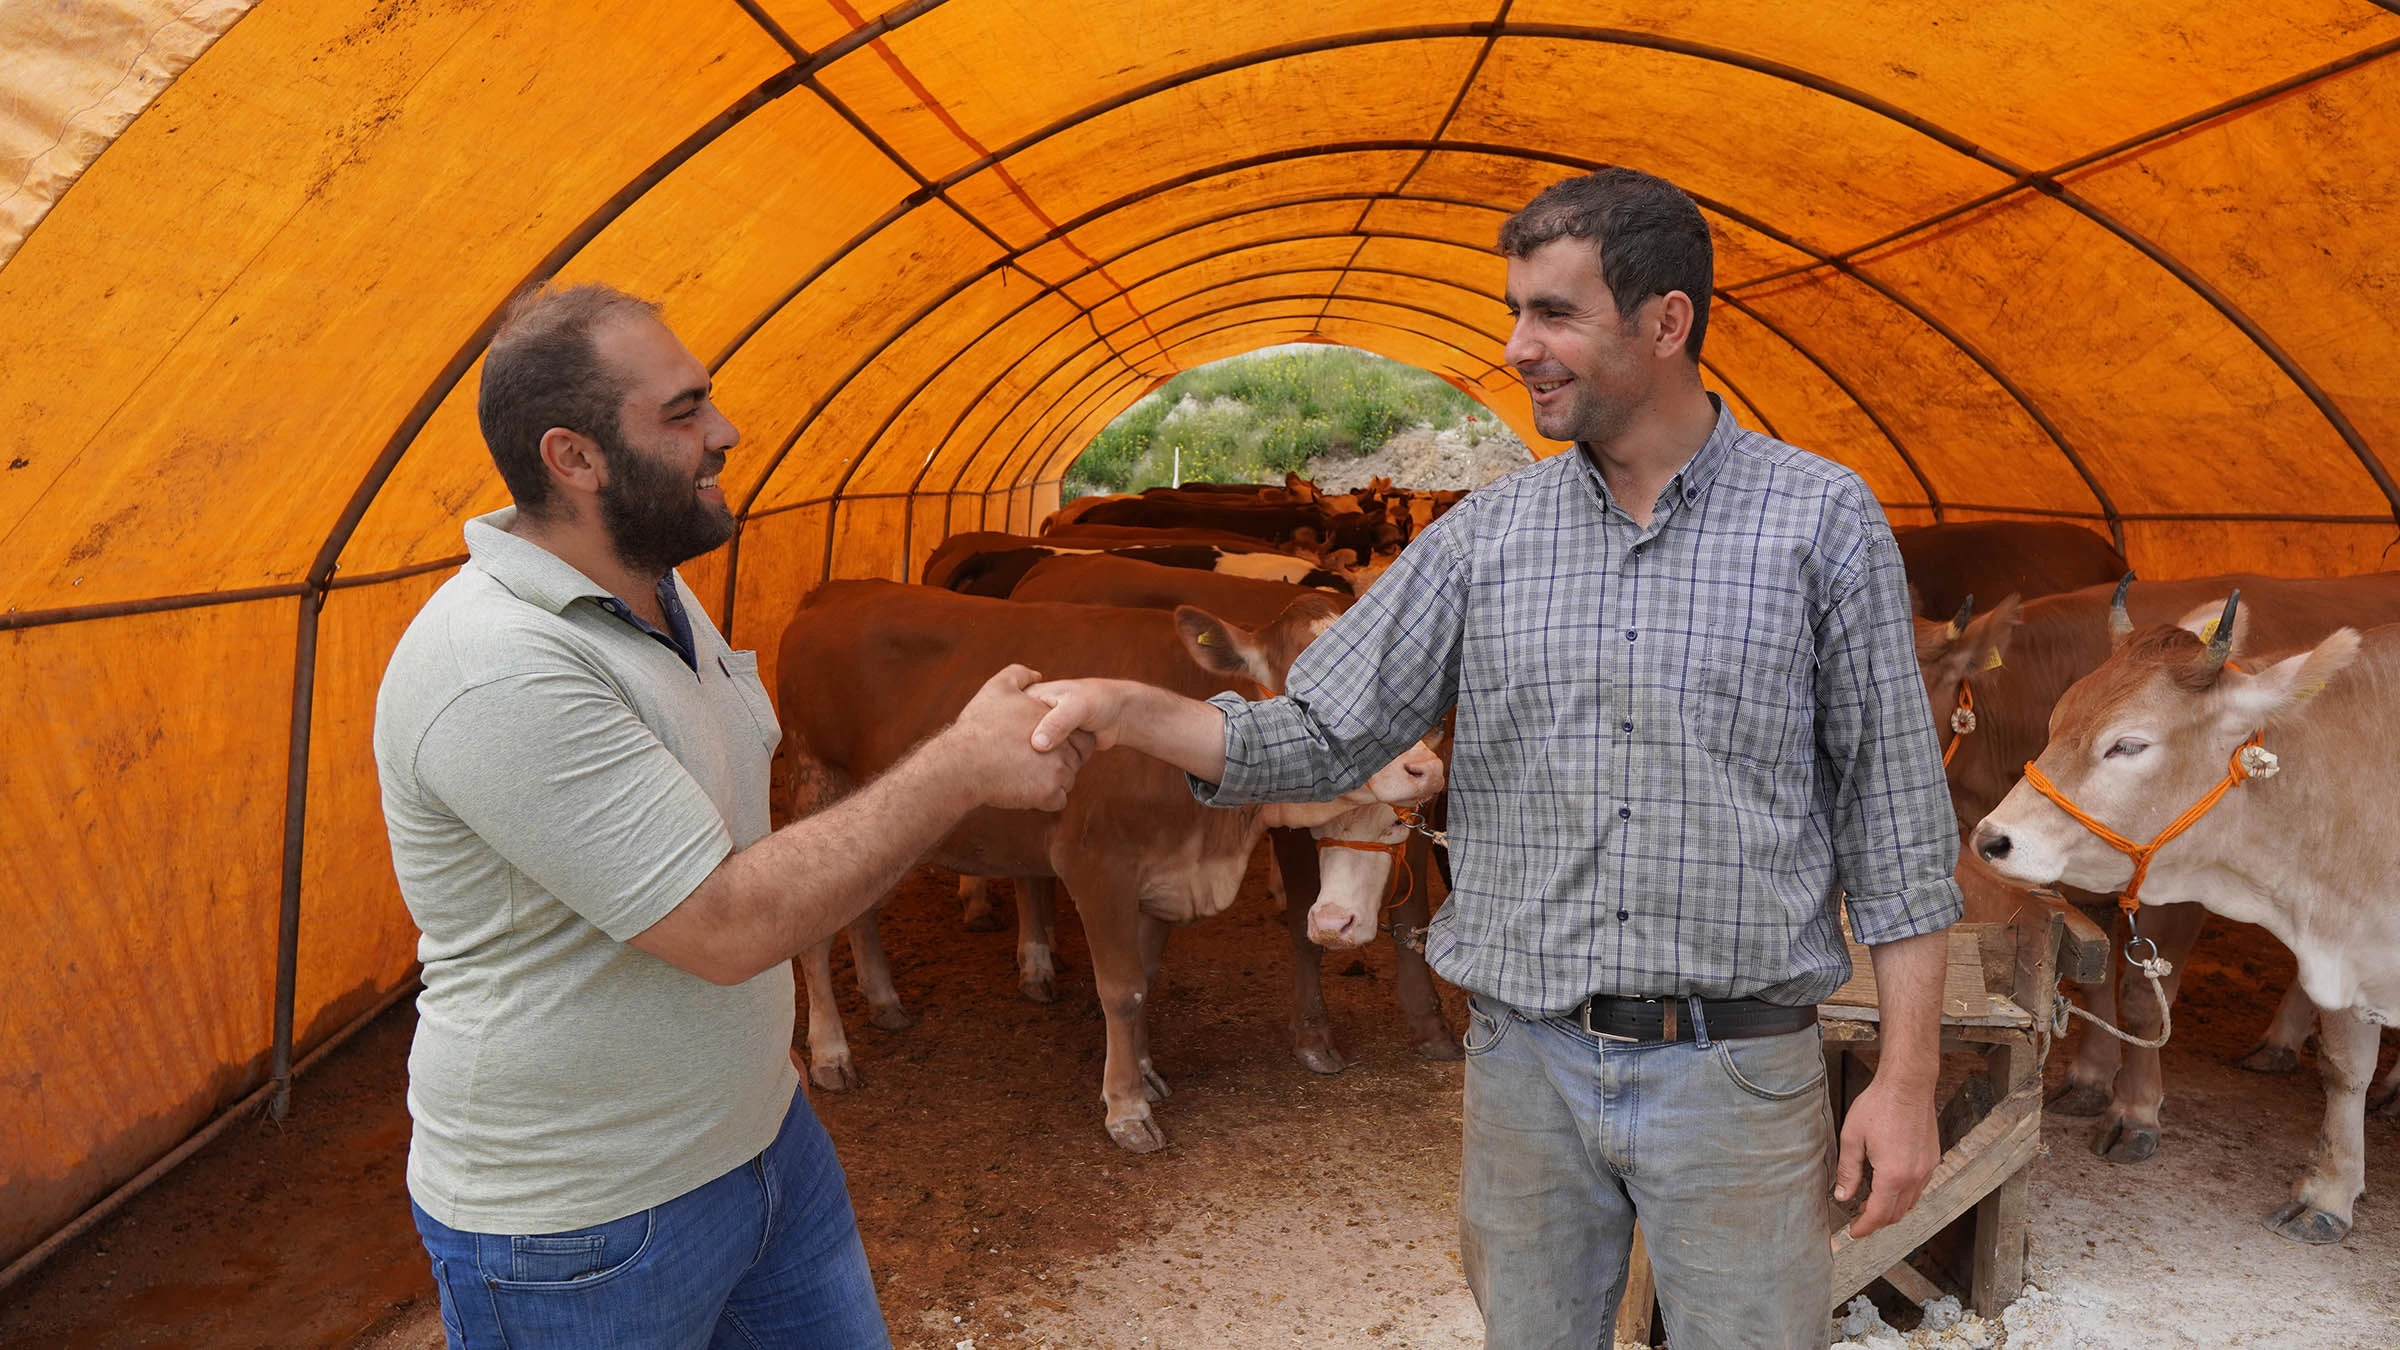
{"x": 1678, "y": 747}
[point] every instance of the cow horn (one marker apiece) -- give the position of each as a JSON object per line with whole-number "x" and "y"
{"x": 2120, "y": 623}
{"x": 2220, "y": 642}
{"x": 1958, "y": 626}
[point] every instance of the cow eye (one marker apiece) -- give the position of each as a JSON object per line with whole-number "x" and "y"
{"x": 2126, "y": 748}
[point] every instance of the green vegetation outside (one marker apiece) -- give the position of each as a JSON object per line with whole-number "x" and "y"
{"x": 1251, "y": 418}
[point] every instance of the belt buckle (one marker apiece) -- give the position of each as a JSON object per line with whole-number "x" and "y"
{"x": 1584, "y": 1013}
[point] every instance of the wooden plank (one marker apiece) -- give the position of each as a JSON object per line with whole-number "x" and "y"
{"x": 1998, "y": 1012}
{"x": 2005, "y": 1142}
{"x": 1641, "y": 1291}
{"x": 2000, "y": 1244}
{"x": 2083, "y": 955}
{"x": 1912, "y": 1284}
{"x": 1965, "y": 990}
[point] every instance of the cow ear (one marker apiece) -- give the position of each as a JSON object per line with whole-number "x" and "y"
{"x": 2251, "y": 700}
{"x": 1220, "y": 647}
{"x": 1985, "y": 643}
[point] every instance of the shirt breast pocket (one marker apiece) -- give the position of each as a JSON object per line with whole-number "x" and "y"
{"x": 741, "y": 670}
{"x": 1758, "y": 696}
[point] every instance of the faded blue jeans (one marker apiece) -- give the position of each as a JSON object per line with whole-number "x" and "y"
{"x": 1724, "y": 1151}
{"x": 766, "y": 1255}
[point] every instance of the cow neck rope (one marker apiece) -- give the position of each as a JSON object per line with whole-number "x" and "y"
{"x": 2249, "y": 760}
{"x": 1962, "y": 721}
{"x": 1402, "y": 872}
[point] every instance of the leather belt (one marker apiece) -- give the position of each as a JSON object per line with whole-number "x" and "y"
{"x": 1687, "y": 1019}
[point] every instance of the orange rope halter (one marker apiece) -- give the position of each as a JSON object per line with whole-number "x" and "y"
{"x": 2239, "y": 769}
{"x": 1401, "y": 871}
{"x": 1962, "y": 721}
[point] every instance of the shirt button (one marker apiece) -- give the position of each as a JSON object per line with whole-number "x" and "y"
{"x": 1627, "y": 728}
{"x": 1624, "y": 813}
{"x": 1623, "y": 915}
{"x": 1629, "y": 634}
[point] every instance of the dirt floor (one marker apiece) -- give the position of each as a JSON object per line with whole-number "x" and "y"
{"x": 1288, "y": 1208}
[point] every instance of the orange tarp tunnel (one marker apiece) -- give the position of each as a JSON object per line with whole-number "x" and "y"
{"x": 2133, "y": 264}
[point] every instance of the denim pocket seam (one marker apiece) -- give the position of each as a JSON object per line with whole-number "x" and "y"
{"x": 1734, "y": 1072}
{"x": 592, "y": 1281}
{"x": 1500, "y": 1023}
{"x": 446, "y": 1301}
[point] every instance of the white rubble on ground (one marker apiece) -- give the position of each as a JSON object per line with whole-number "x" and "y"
{"x": 1466, "y": 456}
{"x": 1943, "y": 1324}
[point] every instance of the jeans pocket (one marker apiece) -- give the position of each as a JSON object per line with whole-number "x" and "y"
{"x": 1487, "y": 1023}
{"x": 585, "y": 1257}
{"x": 1775, "y": 1068}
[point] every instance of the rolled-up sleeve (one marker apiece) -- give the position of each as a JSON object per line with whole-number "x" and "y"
{"x": 1895, "y": 840}
{"x": 1371, "y": 685}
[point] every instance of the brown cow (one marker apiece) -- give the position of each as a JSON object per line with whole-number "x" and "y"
{"x": 870, "y": 667}
{"x": 2301, "y": 837}
{"x": 1991, "y": 558}
{"x": 2057, "y": 640}
{"x": 1341, "y": 915}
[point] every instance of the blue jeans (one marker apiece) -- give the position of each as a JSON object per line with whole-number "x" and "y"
{"x": 766, "y": 1255}
{"x": 1722, "y": 1149}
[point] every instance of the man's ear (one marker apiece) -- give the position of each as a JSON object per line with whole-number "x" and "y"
{"x": 2252, "y": 700}
{"x": 1674, "y": 320}
{"x": 574, "y": 460}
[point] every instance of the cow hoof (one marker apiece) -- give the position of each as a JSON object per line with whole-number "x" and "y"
{"x": 1320, "y": 1058}
{"x": 1038, "y": 988}
{"x": 894, "y": 1018}
{"x": 1137, "y": 1134}
{"x": 1442, "y": 1047}
{"x": 2302, "y": 1222}
{"x": 2268, "y": 1058}
{"x": 2119, "y": 1142}
{"x": 1154, "y": 1088}
{"x": 836, "y": 1076}
{"x": 2078, "y": 1099}
{"x": 982, "y": 921}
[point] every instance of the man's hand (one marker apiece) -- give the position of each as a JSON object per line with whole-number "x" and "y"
{"x": 1891, "y": 1127}
{"x": 1089, "y": 707}
{"x": 992, "y": 747}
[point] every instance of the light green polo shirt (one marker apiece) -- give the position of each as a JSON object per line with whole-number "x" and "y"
{"x": 555, "y": 781}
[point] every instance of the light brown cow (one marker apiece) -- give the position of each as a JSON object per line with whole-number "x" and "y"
{"x": 870, "y": 668}
{"x": 2302, "y": 839}
{"x": 2057, "y": 640}
{"x": 1334, "y": 899}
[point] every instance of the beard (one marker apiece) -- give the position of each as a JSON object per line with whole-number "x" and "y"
{"x": 1589, "y": 417}
{"x": 653, "y": 512}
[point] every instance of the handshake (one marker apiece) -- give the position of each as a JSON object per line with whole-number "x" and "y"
{"x": 992, "y": 748}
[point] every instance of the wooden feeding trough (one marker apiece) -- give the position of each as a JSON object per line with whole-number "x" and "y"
{"x": 1967, "y": 1233}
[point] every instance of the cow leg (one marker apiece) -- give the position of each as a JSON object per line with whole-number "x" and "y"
{"x": 1111, "y": 928}
{"x": 2128, "y": 1131}
{"x": 828, "y": 1049}
{"x": 875, "y": 974}
{"x": 2278, "y": 1050}
{"x": 1037, "y": 919}
{"x": 975, "y": 905}
{"x": 1312, "y": 1025}
{"x": 1278, "y": 894}
{"x": 1412, "y": 979}
{"x": 2385, "y": 1099}
{"x": 2319, "y": 1210}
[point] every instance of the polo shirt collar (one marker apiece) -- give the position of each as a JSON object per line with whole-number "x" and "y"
{"x": 532, "y": 573}
{"x": 1697, "y": 472}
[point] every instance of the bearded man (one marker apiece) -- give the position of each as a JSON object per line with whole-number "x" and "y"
{"x": 1690, "y": 730}
{"x": 610, "y": 1147}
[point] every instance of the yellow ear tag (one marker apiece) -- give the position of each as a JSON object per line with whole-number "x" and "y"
{"x": 2208, "y": 630}
{"x": 1991, "y": 662}
{"x": 1206, "y": 639}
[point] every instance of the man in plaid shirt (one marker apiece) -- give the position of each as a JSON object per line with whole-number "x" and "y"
{"x": 1690, "y": 726}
